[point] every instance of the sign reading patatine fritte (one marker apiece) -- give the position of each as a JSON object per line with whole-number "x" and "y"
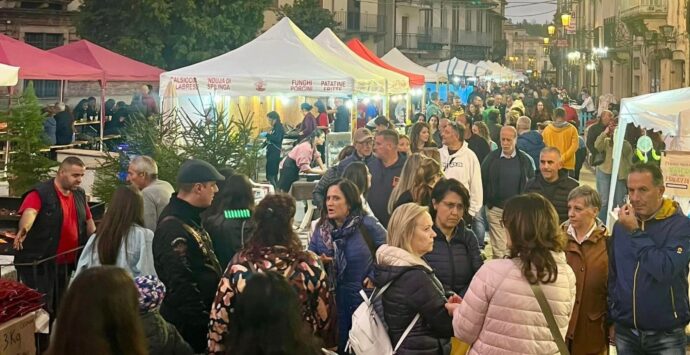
{"x": 333, "y": 85}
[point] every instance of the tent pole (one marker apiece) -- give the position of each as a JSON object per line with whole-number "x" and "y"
{"x": 102, "y": 124}
{"x": 10, "y": 91}
{"x": 62, "y": 90}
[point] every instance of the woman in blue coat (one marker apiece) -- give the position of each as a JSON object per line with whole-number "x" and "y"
{"x": 346, "y": 239}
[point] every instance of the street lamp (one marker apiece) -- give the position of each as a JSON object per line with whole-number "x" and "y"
{"x": 546, "y": 40}
{"x": 552, "y": 30}
{"x": 565, "y": 19}
{"x": 591, "y": 66}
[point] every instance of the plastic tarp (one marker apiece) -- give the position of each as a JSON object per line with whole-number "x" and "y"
{"x": 9, "y": 75}
{"x": 358, "y": 47}
{"x": 458, "y": 67}
{"x": 282, "y": 61}
{"x": 395, "y": 83}
{"x": 395, "y": 58}
{"x": 36, "y": 63}
{"x": 666, "y": 111}
{"x": 115, "y": 67}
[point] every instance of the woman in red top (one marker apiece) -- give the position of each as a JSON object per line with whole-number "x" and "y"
{"x": 322, "y": 120}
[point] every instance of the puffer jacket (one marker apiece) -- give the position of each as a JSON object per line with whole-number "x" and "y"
{"x": 352, "y": 263}
{"x": 414, "y": 290}
{"x": 456, "y": 261}
{"x": 228, "y": 234}
{"x": 556, "y": 192}
{"x": 501, "y": 315}
{"x": 162, "y": 337}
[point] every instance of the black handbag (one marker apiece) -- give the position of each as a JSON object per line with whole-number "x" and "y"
{"x": 597, "y": 159}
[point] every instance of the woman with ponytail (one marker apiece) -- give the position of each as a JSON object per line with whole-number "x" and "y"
{"x": 274, "y": 246}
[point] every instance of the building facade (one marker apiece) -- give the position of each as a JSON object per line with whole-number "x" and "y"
{"x": 526, "y": 54}
{"x": 627, "y": 47}
{"x": 427, "y": 31}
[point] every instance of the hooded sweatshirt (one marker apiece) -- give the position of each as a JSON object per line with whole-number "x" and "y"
{"x": 464, "y": 167}
{"x": 563, "y": 136}
{"x": 414, "y": 290}
{"x": 532, "y": 143}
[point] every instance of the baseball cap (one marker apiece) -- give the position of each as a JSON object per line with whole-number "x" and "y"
{"x": 196, "y": 170}
{"x": 362, "y": 135}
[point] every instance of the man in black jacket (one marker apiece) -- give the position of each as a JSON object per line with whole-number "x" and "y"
{"x": 477, "y": 144}
{"x": 55, "y": 220}
{"x": 505, "y": 173}
{"x": 595, "y": 131}
{"x": 363, "y": 141}
{"x": 552, "y": 182}
{"x": 183, "y": 253}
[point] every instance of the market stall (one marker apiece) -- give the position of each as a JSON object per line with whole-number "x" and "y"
{"x": 669, "y": 113}
{"x": 396, "y": 59}
{"x": 280, "y": 63}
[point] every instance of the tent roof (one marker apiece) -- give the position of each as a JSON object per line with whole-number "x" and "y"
{"x": 659, "y": 111}
{"x": 395, "y": 58}
{"x": 358, "y": 47}
{"x": 281, "y": 61}
{"x": 8, "y": 75}
{"x": 395, "y": 83}
{"x": 35, "y": 63}
{"x": 116, "y": 67}
{"x": 455, "y": 66}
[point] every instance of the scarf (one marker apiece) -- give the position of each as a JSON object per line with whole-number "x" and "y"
{"x": 335, "y": 239}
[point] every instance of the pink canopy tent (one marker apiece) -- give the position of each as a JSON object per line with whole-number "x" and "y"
{"x": 115, "y": 67}
{"x": 35, "y": 63}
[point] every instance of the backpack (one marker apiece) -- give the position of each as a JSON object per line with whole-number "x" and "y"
{"x": 368, "y": 335}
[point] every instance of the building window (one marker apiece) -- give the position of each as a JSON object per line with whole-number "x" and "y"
{"x": 44, "y": 41}
{"x": 45, "y": 88}
{"x": 480, "y": 21}
{"x": 468, "y": 20}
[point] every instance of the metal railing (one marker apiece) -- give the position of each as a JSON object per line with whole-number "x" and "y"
{"x": 471, "y": 38}
{"x": 438, "y": 35}
{"x": 654, "y": 8}
{"x": 359, "y": 22}
{"x": 416, "y": 41}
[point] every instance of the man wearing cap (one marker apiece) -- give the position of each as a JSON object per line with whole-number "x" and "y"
{"x": 183, "y": 253}
{"x": 363, "y": 141}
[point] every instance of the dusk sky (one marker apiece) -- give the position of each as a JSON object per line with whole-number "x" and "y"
{"x": 539, "y": 11}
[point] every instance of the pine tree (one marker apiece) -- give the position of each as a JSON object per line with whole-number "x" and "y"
{"x": 27, "y": 165}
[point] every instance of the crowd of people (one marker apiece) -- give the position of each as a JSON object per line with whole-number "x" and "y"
{"x": 59, "y": 124}
{"x": 204, "y": 268}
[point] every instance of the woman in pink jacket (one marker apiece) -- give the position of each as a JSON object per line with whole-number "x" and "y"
{"x": 500, "y": 314}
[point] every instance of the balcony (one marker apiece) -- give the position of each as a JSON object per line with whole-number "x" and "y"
{"x": 436, "y": 35}
{"x": 415, "y": 41}
{"x": 519, "y": 52}
{"x": 531, "y": 52}
{"x": 646, "y": 9}
{"x": 356, "y": 22}
{"x": 468, "y": 38}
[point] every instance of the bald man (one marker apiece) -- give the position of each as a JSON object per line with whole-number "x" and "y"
{"x": 505, "y": 173}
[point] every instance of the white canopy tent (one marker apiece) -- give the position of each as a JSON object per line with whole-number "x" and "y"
{"x": 667, "y": 111}
{"x": 395, "y": 83}
{"x": 499, "y": 72}
{"x": 458, "y": 67}
{"x": 395, "y": 58}
{"x": 283, "y": 61}
{"x": 9, "y": 75}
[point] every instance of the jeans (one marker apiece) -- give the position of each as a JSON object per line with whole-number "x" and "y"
{"x": 479, "y": 226}
{"x": 603, "y": 187}
{"x": 637, "y": 342}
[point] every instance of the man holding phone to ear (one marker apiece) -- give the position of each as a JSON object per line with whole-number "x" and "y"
{"x": 648, "y": 269}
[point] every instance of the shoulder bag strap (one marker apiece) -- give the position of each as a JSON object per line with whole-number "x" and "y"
{"x": 406, "y": 332}
{"x": 550, "y": 320}
{"x": 368, "y": 240}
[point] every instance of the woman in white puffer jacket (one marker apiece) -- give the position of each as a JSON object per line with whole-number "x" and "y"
{"x": 500, "y": 314}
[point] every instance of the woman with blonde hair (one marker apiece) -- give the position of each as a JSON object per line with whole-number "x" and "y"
{"x": 425, "y": 178}
{"x": 406, "y": 179}
{"x": 481, "y": 129}
{"x": 500, "y": 313}
{"x": 412, "y": 294}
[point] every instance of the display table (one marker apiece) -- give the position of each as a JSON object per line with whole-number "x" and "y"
{"x": 17, "y": 335}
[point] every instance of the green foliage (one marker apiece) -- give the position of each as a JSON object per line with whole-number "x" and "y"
{"x": 308, "y": 15}
{"x": 156, "y": 137}
{"x": 27, "y": 165}
{"x": 170, "y": 33}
